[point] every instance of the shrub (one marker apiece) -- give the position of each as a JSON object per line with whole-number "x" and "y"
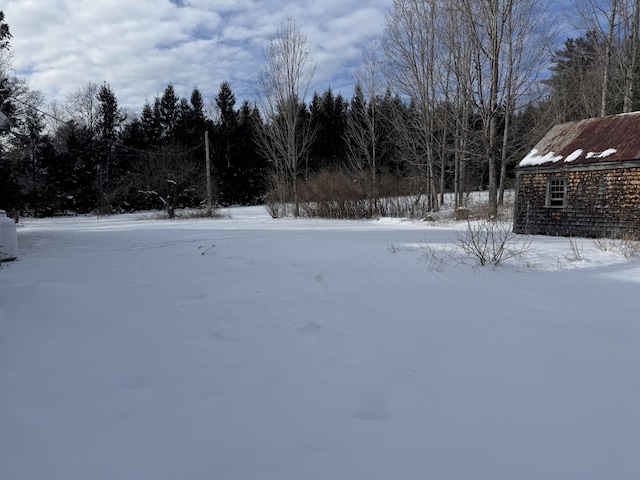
{"x": 625, "y": 245}
{"x": 337, "y": 194}
{"x": 491, "y": 242}
{"x": 576, "y": 251}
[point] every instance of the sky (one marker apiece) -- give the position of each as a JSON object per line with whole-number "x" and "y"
{"x": 140, "y": 46}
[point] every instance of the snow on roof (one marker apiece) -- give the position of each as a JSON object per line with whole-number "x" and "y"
{"x": 574, "y": 156}
{"x": 606, "y": 153}
{"x": 614, "y": 138}
{"x": 533, "y": 158}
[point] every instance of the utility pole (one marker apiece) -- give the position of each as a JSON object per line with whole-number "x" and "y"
{"x": 208, "y": 160}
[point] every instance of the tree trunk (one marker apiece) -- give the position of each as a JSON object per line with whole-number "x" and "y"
{"x": 607, "y": 58}
{"x": 504, "y": 158}
{"x": 493, "y": 106}
{"x": 632, "y": 55}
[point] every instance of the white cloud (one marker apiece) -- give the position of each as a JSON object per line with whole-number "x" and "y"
{"x": 139, "y": 46}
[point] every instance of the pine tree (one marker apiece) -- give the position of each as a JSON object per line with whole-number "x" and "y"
{"x": 168, "y": 113}
{"x": 109, "y": 117}
{"x": 251, "y": 180}
{"x": 198, "y": 121}
{"x": 5, "y": 90}
{"x": 184, "y": 133}
{"x": 576, "y": 83}
{"x": 150, "y": 124}
{"x": 225, "y": 143}
{"x": 27, "y": 157}
{"x": 109, "y": 166}
{"x": 5, "y": 34}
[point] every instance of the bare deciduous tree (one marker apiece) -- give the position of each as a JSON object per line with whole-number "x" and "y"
{"x": 485, "y": 22}
{"x": 81, "y": 105}
{"x": 363, "y": 131}
{"x": 166, "y": 175}
{"x": 529, "y": 40}
{"x": 283, "y": 84}
{"x": 631, "y": 55}
{"x": 464, "y": 59}
{"x": 509, "y": 47}
{"x": 608, "y": 45}
{"x": 613, "y": 28}
{"x": 460, "y": 80}
{"x": 410, "y": 47}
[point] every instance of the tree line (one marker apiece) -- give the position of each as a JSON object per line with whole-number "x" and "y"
{"x": 454, "y": 94}
{"x": 90, "y": 155}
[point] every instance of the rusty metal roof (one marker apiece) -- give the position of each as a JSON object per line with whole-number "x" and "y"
{"x": 614, "y": 138}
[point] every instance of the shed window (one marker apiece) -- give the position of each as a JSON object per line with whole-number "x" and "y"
{"x": 556, "y": 192}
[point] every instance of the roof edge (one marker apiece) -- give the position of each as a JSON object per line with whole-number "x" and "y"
{"x": 565, "y": 167}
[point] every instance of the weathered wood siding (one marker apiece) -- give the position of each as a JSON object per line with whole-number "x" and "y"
{"x": 599, "y": 203}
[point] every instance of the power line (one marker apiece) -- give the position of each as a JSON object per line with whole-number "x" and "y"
{"x": 158, "y": 152}
{"x": 46, "y": 114}
{"x": 118, "y": 144}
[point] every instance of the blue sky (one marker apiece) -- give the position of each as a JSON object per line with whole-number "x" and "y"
{"x": 139, "y": 46}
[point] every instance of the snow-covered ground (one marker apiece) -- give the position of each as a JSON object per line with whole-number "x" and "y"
{"x": 249, "y": 348}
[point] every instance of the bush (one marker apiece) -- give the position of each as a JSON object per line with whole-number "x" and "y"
{"x": 491, "y": 242}
{"x": 627, "y": 246}
{"x": 336, "y": 194}
{"x": 333, "y": 195}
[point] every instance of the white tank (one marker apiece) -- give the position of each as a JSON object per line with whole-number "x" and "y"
{"x": 8, "y": 238}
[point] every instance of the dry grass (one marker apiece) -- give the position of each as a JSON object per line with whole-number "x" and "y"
{"x": 576, "y": 251}
{"x": 626, "y": 245}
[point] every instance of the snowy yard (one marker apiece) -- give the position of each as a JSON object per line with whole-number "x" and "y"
{"x": 248, "y": 348}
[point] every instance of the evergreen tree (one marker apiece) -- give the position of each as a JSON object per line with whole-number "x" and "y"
{"x": 228, "y": 121}
{"x": 27, "y": 160}
{"x": 225, "y": 140}
{"x": 109, "y": 167}
{"x": 8, "y": 182}
{"x": 109, "y": 116}
{"x": 251, "y": 180}
{"x": 132, "y": 134}
{"x": 168, "y": 113}
{"x": 317, "y": 151}
{"x": 5, "y": 81}
{"x": 333, "y": 115}
{"x": 5, "y": 34}
{"x": 198, "y": 116}
{"x": 388, "y": 108}
{"x": 192, "y": 120}
{"x": 74, "y": 173}
{"x": 576, "y": 80}
{"x": 150, "y": 124}
{"x": 184, "y": 133}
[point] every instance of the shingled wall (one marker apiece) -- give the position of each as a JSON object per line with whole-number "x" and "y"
{"x": 603, "y": 202}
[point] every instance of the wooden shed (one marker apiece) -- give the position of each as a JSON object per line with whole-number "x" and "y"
{"x": 582, "y": 179}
